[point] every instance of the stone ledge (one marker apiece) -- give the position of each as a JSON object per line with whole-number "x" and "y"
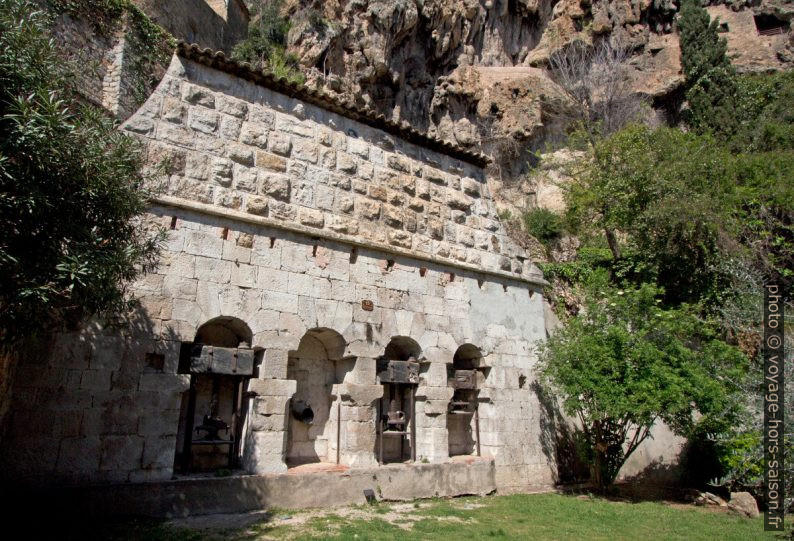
{"x": 209, "y": 495}
{"x": 205, "y": 208}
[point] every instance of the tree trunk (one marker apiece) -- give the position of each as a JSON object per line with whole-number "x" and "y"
{"x": 599, "y": 450}
{"x": 613, "y": 243}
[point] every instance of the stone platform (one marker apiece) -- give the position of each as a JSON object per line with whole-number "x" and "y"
{"x": 320, "y": 485}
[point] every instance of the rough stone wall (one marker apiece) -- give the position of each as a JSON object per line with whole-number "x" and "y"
{"x": 99, "y": 54}
{"x": 315, "y": 375}
{"x": 287, "y": 217}
{"x": 116, "y": 66}
{"x": 238, "y": 148}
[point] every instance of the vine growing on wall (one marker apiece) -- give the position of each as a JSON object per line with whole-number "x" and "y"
{"x": 150, "y": 45}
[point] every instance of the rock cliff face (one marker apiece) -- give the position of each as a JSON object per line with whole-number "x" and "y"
{"x": 473, "y": 71}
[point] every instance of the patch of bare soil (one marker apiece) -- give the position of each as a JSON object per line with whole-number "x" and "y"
{"x": 220, "y": 522}
{"x": 402, "y": 515}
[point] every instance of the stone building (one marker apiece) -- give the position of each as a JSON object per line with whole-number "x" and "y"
{"x": 336, "y": 297}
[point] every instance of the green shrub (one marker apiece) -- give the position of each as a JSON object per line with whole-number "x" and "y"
{"x": 543, "y": 224}
{"x": 624, "y": 363}
{"x": 265, "y": 46}
{"x": 70, "y": 191}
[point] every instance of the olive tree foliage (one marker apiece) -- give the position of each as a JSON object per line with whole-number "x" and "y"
{"x": 71, "y": 201}
{"x": 596, "y": 81}
{"x": 624, "y": 363}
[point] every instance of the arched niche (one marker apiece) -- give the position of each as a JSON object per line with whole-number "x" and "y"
{"x": 317, "y": 365}
{"x": 219, "y": 361}
{"x": 467, "y": 357}
{"x": 397, "y": 408}
{"x": 402, "y": 348}
{"x": 463, "y": 414}
{"x": 224, "y": 332}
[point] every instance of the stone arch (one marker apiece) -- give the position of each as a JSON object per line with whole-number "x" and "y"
{"x": 222, "y": 346}
{"x": 401, "y": 348}
{"x": 462, "y": 414}
{"x": 317, "y": 365}
{"x": 398, "y": 403}
{"x": 224, "y": 331}
{"x": 467, "y": 357}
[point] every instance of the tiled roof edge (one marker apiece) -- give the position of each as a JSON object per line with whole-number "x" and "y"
{"x": 320, "y": 98}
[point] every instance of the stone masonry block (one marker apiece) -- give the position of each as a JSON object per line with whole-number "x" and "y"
{"x": 264, "y": 452}
{"x": 121, "y": 453}
{"x": 305, "y": 151}
{"x": 270, "y": 405}
{"x": 158, "y": 452}
{"x": 241, "y": 154}
{"x": 271, "y": 162}
{"x": 221, "y": 171}
{"x": 165, "y": 383}
{"x": 197, "y": 95}
{"x": 253, "y": 135}
{"x": 443, "y": 394}
{"x": 256, "y": 205}
{"x": 273, "y": 387}
{"x": 280, "y": 144}
{"x": 268, "y": 423}
{"x": 358, "y": 147}
{"x": 274, "y": 364}
{"x": 276, "y": 186}
{"x": 203, "y": 120}
{"x": 311, "y": 217}
{"x": 79, "y": 454}
{"x": 231, "y": 106}
{"x": 346, "y": 163}
{"x": 357, "y": 394}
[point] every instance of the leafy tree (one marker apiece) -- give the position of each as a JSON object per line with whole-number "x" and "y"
{"x": 686, "y": 209}
{"x": 705, "y": 223}
{"x": 265, "y": 46}
{"x": 765, "y": 118}
{"x": 625, "y": 363}
{"x": 709, "y": 77}
{"x": 70, "y": 196}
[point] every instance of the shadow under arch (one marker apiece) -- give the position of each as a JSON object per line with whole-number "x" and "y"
{"x": 224, "y": 331}
{"x": 402, "y": 348}
{"x": 313, "y": 425}
{"x": 220, "y": 361}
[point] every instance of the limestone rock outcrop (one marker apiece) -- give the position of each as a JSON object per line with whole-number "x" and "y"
{"x": 473, "y": 72}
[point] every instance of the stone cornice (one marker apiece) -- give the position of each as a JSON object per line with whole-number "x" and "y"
{"x": 231, "y": 214}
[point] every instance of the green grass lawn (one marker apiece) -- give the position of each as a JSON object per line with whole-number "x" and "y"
{"x": 534, "y": 516}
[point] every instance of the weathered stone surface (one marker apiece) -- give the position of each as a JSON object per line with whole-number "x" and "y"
{"x": 272, "y": 387}
{"x": 743, "y": 504}
{"x": 257, "y": 205}
{"x": 271, "y": 162}
{"x": 276, "y": 186}
{"x": 358, "y": 394}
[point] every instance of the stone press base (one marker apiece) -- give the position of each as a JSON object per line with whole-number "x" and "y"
{"x": 301, "y": 487}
